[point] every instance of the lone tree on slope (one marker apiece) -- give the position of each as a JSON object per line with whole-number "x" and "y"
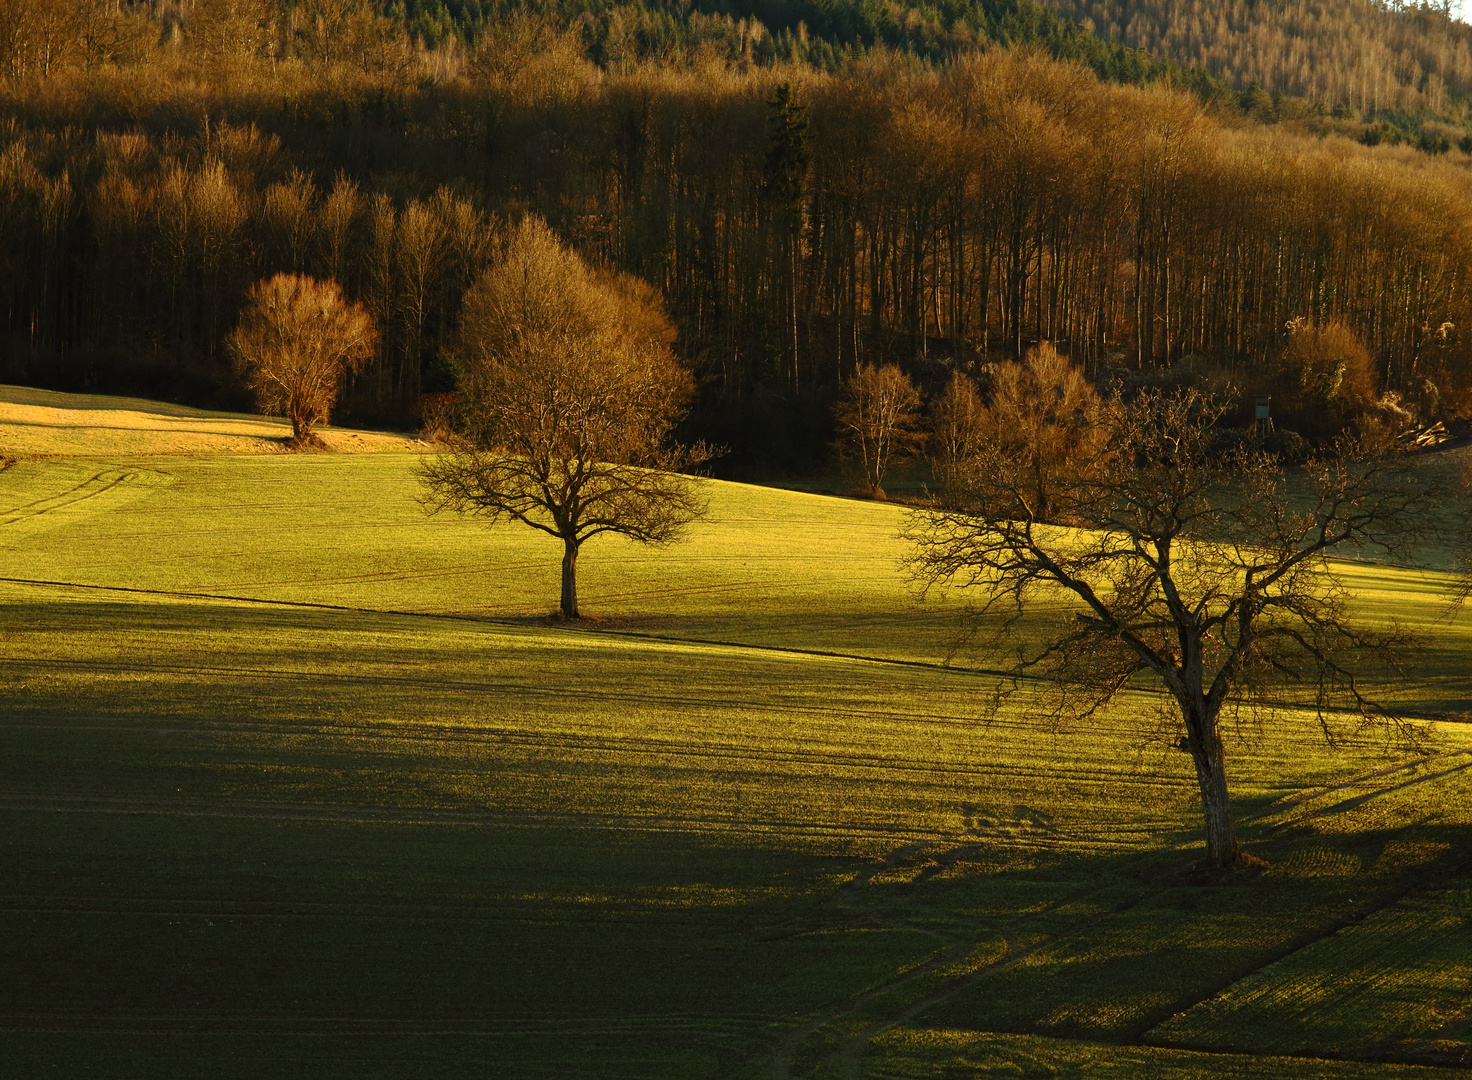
{"x": 296, "y": 337}
{"x": 1200, "y": 573}
{"x": 571, "y": 391}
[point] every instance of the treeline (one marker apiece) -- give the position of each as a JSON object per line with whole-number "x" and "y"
{"x": 799, "y": 223}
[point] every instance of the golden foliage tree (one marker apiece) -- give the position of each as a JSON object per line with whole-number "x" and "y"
{"x": 296, "y": 339}
{"x": 570, "y": 392}
{"x": 957, "y": 425}
{"x": 1037, "y": 433}
{"x": 1326, "y": 368}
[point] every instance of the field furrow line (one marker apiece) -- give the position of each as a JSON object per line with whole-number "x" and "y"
{"x": 1421, "y": 880}
{"x": 82, "y": 492}
{"x": 846, "y": 1058}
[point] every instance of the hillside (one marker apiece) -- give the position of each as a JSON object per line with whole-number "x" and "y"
{"x": 297, "y": 780}
{"x": 1398, "y": 66}
{"x": 45, "y": 423}
{"x": 1365, "y": 55}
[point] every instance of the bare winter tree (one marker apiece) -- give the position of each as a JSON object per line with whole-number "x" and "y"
{"x": 1172, "y": 562}
{"x": 570, "y": 393}
{"x": 956, "y": 425}
{"x": 296, "y": 337}
{"x": 877, "y": 421}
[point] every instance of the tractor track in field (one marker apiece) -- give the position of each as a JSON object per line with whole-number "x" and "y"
{"x": 518, "y": 818}
{"x": 672, "y": 749}
{"x": 844, "y": 1052}
{"x": 846, "y": 1055}
{"x": 1011, "y": 835}
{"x": 87, "y": 489}
{"x": 534, "y": 910}
{"x": 1356, "y": 801}
{"x": 521, "y": 623}
{"x": 1421, "y": 880}
{"x": 691, "y": 704}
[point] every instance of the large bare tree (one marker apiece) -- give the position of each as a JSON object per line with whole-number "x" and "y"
{"x": 296, "y": 338}
{"x": 1202, "y": 573}
{"x": 570, "y": 393}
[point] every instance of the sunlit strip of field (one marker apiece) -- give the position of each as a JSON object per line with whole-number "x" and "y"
{"x": 45, "y": 423}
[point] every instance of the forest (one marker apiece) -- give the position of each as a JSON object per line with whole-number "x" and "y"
{"x": 799, "y": 217}
{"x": 1368, "y": 56}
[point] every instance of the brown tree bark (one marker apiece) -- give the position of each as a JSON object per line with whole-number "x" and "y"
{"x": 569, "y": 579}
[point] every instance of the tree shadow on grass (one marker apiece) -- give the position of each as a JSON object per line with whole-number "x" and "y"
{"x": 675, "y": 906}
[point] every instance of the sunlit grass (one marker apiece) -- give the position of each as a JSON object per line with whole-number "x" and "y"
{"x": 289, "y": 765}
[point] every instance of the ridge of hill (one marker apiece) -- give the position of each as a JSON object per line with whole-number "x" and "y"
{"x": 1379, "y": 71}
{"x": 1369, "y": 56}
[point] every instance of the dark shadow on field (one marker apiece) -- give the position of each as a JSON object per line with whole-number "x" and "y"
{"x": 290, "y": 842}
{"x": 1156, "y": 943}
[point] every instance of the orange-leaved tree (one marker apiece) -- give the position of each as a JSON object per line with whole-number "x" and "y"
{"x": 296, "y": 338}
{"x": 570, "y": 391}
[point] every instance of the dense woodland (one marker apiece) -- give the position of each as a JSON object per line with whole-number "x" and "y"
{"x": 1362, "y": 54}
{"x": 798, "y": 217}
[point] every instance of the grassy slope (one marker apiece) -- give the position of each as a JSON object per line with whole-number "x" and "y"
{"x": 425, "y": 832}
{"x": 47, "y": 422}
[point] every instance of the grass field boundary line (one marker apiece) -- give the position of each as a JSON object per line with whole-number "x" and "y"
{"x": 515, "y": 623}
{"x": 595, "y": 631}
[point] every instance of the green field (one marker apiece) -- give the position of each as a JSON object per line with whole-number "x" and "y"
{"x": 299, "y": 781}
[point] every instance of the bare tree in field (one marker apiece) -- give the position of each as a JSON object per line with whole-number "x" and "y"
{"x": 296, "y": 337}
{"x": 1169, "y": 562}
{"x": 570, "y": 393}
{"x": 877, "y": 418}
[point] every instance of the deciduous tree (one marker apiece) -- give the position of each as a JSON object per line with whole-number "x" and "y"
{"x": 295, "y": 340}
{"x": 877, "y": 420}
{"x": 956, "y": 426}
{"x": 1037, "y": 433}
{"x": 570, "y": 392}
{"x": 1198, "y": 574}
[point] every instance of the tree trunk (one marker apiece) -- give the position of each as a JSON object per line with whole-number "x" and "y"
{"x": 570, "y": 579}
{"x": 1216, "y": 806}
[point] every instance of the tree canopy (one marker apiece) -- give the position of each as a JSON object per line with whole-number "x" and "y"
{"x": 937, "y": 215}
{"x": 296, "y": 339}
{"x": 570, "y": 394}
